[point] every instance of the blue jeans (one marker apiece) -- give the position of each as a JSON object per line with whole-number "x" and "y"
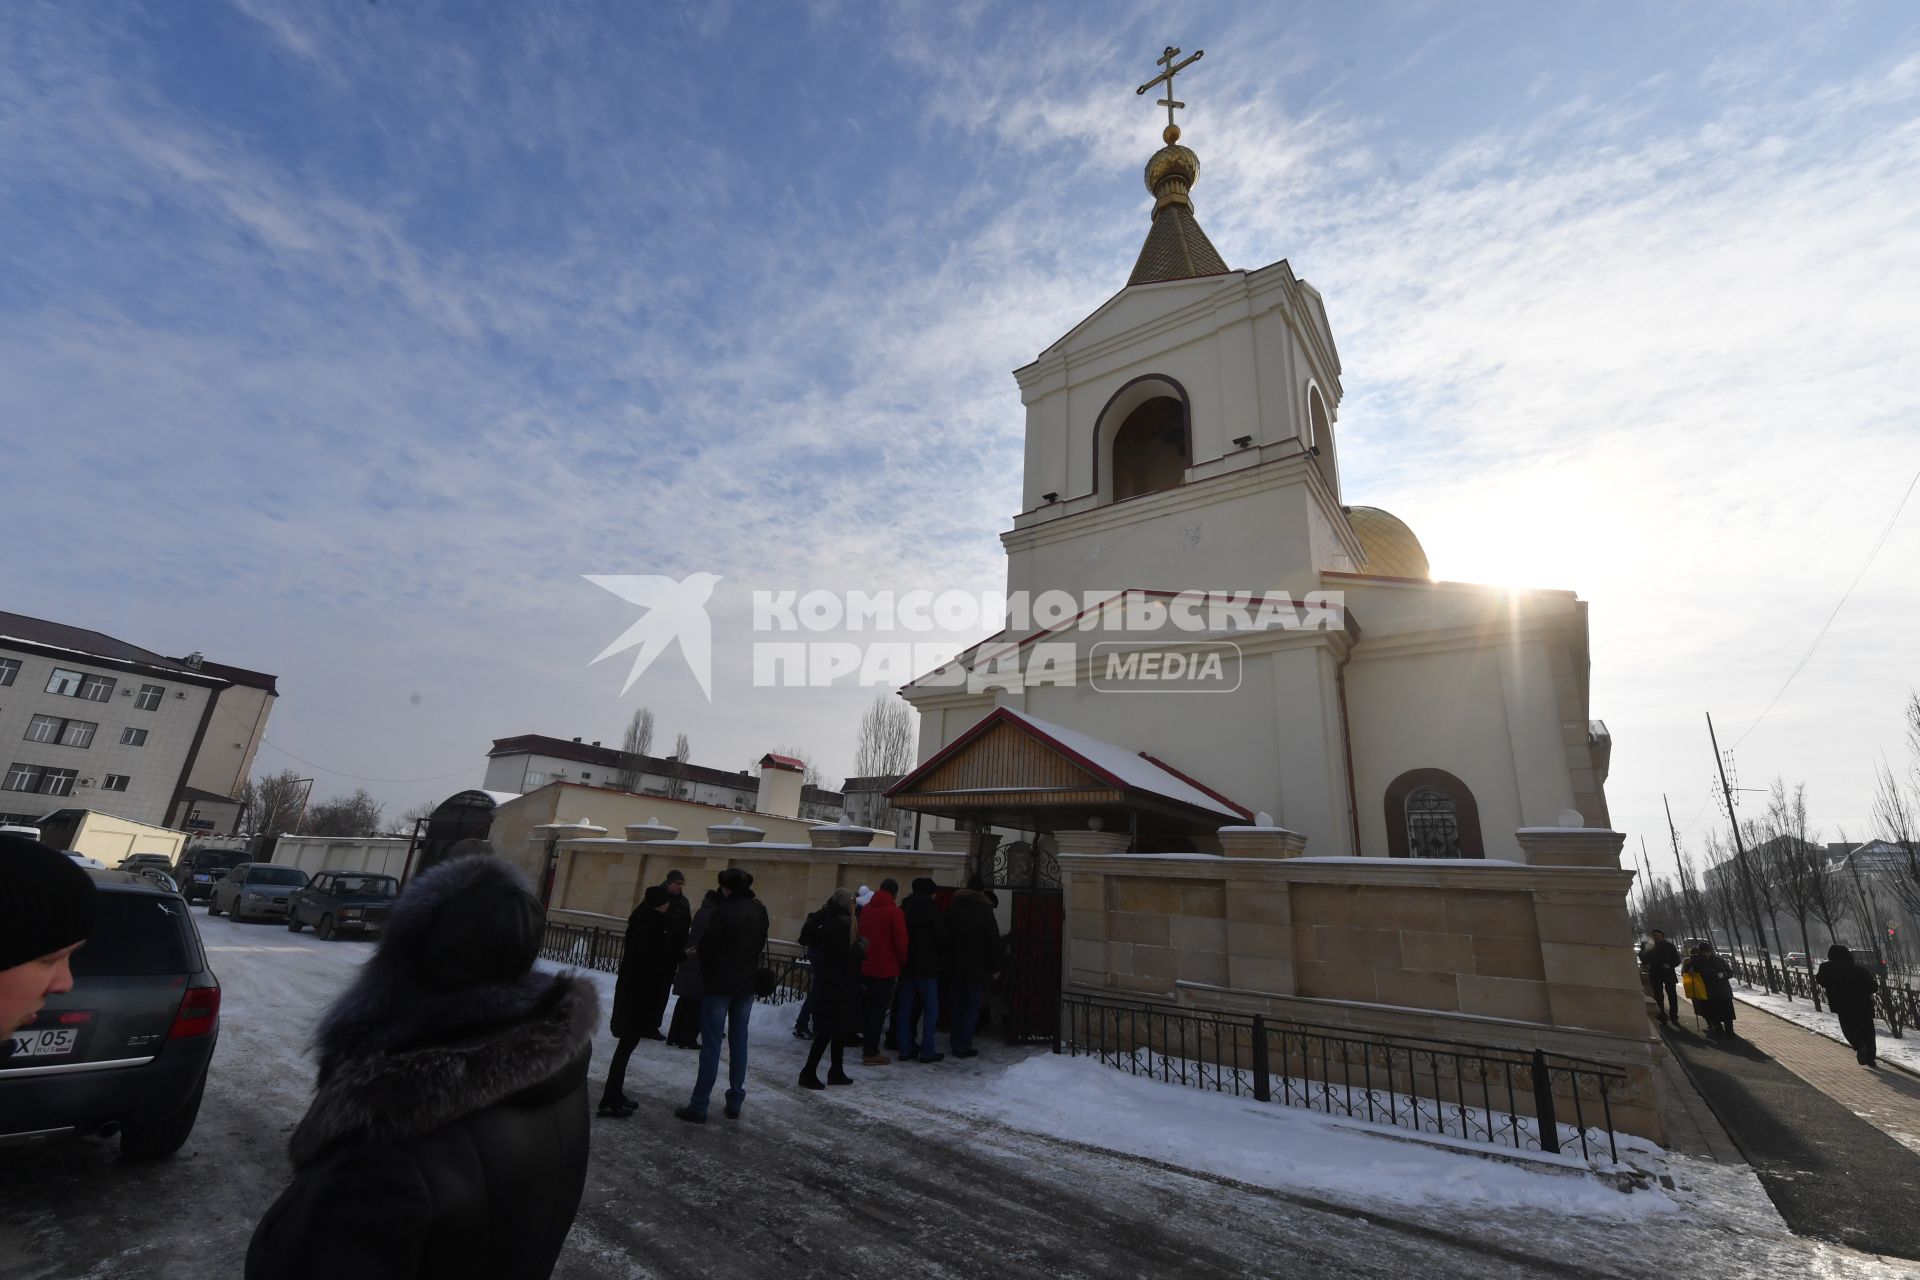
{"x": 813, "y": 989}
{"x": 966, "y": 1016}
{"x": 722, "y": 1016}
{"x": 926, "y": 993}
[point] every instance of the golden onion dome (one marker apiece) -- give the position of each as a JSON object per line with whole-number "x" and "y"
{"x": 1172, "y": 161}
{"x": 1392, "y": 550}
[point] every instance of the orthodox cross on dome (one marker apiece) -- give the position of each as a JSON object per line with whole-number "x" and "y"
{"x": 1166, "y": 59}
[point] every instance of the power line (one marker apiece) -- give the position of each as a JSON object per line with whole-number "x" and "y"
{"x": 1864, "y": 566}
{"x": 438, "y": 777}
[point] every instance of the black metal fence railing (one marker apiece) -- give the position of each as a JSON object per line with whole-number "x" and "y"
{"x": 1525, "y": 1101}
{"x": 591, "y": 947}
{"x": 1898, "y": 1006}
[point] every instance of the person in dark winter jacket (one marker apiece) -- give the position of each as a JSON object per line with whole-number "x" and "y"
{"x": 834, "y": 933}
{"x": 673, "y": 945}
{"x": 920, "y": 976}
{"x": 448, "y": 1131}
{"x": 1850, "y": 989}
{"x": 641, "y": 960}
{"x": 684, "y": 1031}
{"x": 885, "y": 930}
{"x": 1713, "y": 968}
{"x": 1663, "y": 963}
{"x": 973, "y": 958}
{"x": 729, "y": 954}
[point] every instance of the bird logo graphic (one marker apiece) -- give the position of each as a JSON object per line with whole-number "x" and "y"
{"x": 674, "y": 611}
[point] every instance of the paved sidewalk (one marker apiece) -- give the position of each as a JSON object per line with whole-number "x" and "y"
{"x": 1886, "y": 1097}
{"x": 1832, "y": 1174}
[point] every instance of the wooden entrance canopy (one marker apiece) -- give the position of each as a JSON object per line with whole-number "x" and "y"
{"x": 1011, "y": 770}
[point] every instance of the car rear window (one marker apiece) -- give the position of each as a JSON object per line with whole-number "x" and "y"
{"x": 381, "y": 886}
{"x": 276, "y": 875}
{"x": 135, "y": 935}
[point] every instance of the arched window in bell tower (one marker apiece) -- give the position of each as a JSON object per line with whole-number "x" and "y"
{"x": 1320, "y": 440}
{"x": 1143, "y": 439}
{"x": 1150, "y": 449}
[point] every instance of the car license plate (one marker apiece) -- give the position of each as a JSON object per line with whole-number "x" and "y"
{"x": 47, "y": 1042}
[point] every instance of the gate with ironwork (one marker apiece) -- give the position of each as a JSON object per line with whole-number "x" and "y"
{"x": 1029, "y": 874}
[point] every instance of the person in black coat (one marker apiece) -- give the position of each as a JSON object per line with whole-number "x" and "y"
{"x": 1850, "y": 989}
{"x": 1663, "y": 963}
{"x": 729, "y": 952}
{"x": 920, "y": 975}
{"x": 673, "y": 948}
{"x": 974, "y": 957}
{"x": 833, "y": 934}
{"x": 684, "y": 1031}
{"x": 1714, "y": 970}
{"x": 641, "y": 959}
{"x": 448, "y": 1132}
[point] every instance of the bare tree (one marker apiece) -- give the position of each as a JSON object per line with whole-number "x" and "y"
{"x": 1792, "y": 864}
{"x": 1896, "y": 811}
{"x": 886, "y": 744}
{"x": 422, "y": 810}
{"x": 1699, "y": 918}
{"x": 274, "y": 802}
{"x": 677, "y": 768}
{"x": 810, "y": 775}
{"x": 350, "y": 815}
{"x": 636, "y": 743}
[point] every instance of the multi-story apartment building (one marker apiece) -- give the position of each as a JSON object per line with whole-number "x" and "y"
{"x": 91, "y": 722}
{"x": 529, "y": 761}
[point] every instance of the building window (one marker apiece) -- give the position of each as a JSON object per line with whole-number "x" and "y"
{"x": 149, "y": 697}
{"x": 9, "y": 668}
{"x": 1150, "y": 449}
{"x": 1432, "y": 814}
{"x": 65, "y": 733}
{"x": 64, "y": 682}
{"x": 133, "y": 737}
{"x": 118, "y": 782}
{"x": 97, "y": 688}
{"x": 38, "y": 778}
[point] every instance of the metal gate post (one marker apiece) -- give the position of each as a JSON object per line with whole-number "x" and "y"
{"x": 1543, "y": 1117}
{"x": 1262, "y": 1080}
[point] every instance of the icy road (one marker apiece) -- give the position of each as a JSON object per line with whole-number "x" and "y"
{"x": 1017, "y": 1163}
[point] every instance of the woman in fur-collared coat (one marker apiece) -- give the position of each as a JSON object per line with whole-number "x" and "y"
{"x": 448, "y": 1131}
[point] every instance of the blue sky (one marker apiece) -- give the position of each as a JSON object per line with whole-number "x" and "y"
{"x": 341, "y": 339}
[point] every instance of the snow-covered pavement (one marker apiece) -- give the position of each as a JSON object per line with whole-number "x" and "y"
{"x": 1905, "y": 1051}
{"x": 1016, "y": 1162}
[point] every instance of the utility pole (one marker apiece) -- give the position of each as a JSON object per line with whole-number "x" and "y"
{"x": 1740, "y": 851}
{"x": 1687, "y": 892}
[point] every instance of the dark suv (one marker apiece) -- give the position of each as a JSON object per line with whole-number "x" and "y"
{"x": 340, "y": 902}
{"x": 126, "y": 1050}
{"x": 199, "y": 868}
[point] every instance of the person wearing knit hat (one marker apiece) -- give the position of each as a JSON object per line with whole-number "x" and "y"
{"x": 46, "y": 913}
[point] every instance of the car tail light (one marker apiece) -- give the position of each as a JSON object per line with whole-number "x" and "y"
{"x": 199, "y": 1010}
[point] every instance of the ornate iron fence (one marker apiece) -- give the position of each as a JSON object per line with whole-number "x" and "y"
{"x": 591, "y": 947}
{"x": 1525, "y": 1101}
{"x": 1896, "y": 1005}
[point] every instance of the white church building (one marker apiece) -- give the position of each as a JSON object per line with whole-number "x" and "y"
{"x": 1184, "y": 438}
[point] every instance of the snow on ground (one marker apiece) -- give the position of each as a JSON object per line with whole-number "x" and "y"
{"x": 1905, "y": 1052}
{"x": 1261, "y": 1143}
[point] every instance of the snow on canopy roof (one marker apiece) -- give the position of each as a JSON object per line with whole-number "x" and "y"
{"x": 1128, "y": 770}
{"x": 501, "y": 797}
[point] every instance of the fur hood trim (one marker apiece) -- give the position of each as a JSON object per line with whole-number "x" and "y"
{"x": 396, "y": 1096}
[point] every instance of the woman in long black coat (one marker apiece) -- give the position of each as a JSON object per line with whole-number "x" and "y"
{"x": 448, "y": 1131}
{"x": 835, "y": 931}
{"x": 684, "y": 1031}
{"x": 1713, "y": 968}
{"x": 1850, "y": 989}
{"x": 640, "y": 960}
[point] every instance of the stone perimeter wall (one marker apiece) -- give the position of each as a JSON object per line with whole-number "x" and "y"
{"x": 606, "y": 877}
{"x": 1490, "y": 953}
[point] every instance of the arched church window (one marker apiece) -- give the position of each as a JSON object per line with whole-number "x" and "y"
{"x": 1431, "y": 814}
{"x": 1150, "y": 449}
{"x": 1320, "y": 439}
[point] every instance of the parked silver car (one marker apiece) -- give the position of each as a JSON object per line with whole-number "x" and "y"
{"x": 256, "y": 891}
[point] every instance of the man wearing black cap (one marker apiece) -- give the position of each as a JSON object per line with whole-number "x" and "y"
{"x": 46, "y": 912}
{"x": 729, "y": 967}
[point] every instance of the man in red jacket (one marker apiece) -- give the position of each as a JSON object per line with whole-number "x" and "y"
{"x": 884, "y": 930}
